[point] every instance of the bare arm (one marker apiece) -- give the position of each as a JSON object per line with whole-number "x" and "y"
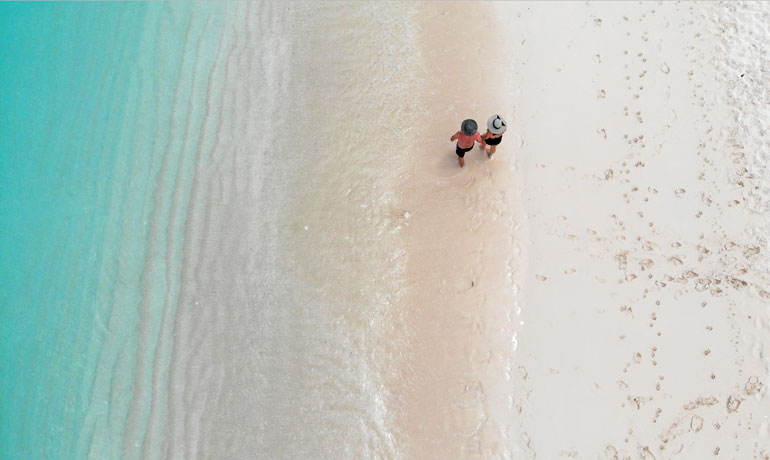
{"x": 454, "y": 136}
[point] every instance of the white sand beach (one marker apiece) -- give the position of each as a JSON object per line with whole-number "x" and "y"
{"x": 599, "y": 289}
{"x": 645, "y": 318}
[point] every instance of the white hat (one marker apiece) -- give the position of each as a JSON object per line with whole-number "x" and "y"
{"x": 496, "y": 124}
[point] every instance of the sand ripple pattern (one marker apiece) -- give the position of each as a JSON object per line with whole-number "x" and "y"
{"x": 292, "y": 267}
{"x": 170, "y": 121}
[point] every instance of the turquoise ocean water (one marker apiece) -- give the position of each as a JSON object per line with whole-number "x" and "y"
{"x": 103, "y": 121}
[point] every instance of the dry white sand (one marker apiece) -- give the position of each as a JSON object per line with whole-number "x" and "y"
{"x": 644, "y": 306}
{"x": 598, "y": 290}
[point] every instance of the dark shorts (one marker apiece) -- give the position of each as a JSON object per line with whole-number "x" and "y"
{"x": 461, "y": 151}
{"x": 494, "y": 140}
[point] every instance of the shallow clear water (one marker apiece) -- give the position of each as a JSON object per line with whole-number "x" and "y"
{"x": 95, "y": 165}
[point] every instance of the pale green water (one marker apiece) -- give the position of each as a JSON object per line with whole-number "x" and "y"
{"x": 101, "y": 116}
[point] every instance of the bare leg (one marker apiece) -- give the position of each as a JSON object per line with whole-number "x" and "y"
{"x": 491, "y": 151}
{"x": 461, "y": 161}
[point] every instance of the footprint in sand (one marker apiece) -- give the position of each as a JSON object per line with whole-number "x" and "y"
{"x": 733, "y": 403}
{"x": 751, "y": 251}
{"x": 753, "y": 386}
{"x": 646, "y": 454}
{"x": 696, "y": 423}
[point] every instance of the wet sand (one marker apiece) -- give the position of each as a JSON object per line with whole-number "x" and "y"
{"x": 353, "y": 284}
{"x": 461, "y": 242}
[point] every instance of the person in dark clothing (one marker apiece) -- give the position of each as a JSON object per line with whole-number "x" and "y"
{"x": 496, "y": 126}
{"x": 466, "y": 138}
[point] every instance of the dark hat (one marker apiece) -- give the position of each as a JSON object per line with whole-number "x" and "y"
{"x": 469, "y": 127}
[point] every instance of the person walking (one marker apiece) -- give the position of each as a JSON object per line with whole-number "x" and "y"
{"x": 466, "y": 138}
{"x": 489, "y": 141}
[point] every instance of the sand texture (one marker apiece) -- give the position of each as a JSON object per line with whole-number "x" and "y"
{"x": 597, "y": 290}
{"x": 645, "y": 298}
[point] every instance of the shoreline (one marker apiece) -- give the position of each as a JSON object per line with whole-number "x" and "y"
{"x": 249, "y": 236}
{"x": 395, "y": 305}
{"x": 461, "y": 266}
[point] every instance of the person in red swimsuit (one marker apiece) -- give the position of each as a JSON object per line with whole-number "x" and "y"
{"x": 496, "y": 126}
{"x": 466, "y": 138}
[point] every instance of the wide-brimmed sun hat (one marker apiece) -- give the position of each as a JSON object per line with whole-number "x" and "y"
{"x": 496, "y": 124}
{"x": 469, "y": 127}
